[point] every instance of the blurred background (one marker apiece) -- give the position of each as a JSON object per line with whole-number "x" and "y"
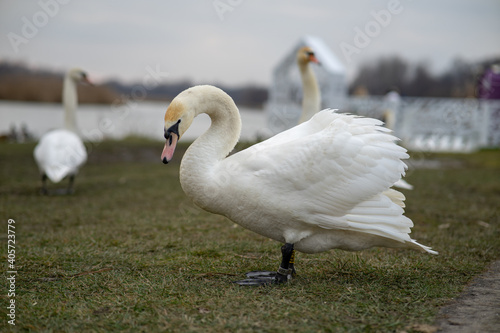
{"x": 141, "y": 54}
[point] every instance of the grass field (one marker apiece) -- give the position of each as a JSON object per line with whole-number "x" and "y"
{"x": 129, "y": 252}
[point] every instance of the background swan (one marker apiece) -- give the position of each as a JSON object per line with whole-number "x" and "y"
{"x": 321, "y": 185}
{"x": 60, "y": 153}
{"x": 389, "y": 119}
{"x": 311, "y": 95}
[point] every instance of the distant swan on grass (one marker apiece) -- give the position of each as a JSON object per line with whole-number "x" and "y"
{"x": 321, "y": 185}
{"x": 60, "y": 153}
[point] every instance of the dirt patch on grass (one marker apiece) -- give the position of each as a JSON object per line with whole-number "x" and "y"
{"x": 477, "y": 309}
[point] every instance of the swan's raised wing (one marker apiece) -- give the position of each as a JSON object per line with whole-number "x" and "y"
{"x": 334, "y": 171}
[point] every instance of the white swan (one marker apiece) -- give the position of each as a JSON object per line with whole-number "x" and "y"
{"x": 321, "y": 185}
{"x": 311, "y": 95}
{"x": 60, "y": 153}
{"x": 389, "y": 119}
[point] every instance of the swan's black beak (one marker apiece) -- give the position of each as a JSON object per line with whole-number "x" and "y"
{"x": 85, "y": 80}
{"x": 171, "y": 137}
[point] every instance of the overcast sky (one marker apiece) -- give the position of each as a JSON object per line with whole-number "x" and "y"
{"x": 239, "y": 41}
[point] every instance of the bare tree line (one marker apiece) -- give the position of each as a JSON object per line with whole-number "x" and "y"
{"x": 19, "y": 82}
{"x": 393, "y": 72}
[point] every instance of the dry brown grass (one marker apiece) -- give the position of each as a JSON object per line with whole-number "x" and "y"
{"x": 128, "y": 252}
{"x": 48, "y": 88}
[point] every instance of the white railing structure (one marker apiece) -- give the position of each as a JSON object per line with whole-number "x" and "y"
{"x": 436, "y": 124}
{"x": 424, "y": 124}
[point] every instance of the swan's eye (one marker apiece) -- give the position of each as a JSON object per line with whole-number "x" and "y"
{"x": 172, "y": 129}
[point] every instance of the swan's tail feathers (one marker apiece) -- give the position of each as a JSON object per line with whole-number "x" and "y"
{"x": 382, "y": 217}
{"x": 423, "y": 248}
{"x": 57, "y": 172}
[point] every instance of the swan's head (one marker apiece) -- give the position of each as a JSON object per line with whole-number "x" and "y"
{"x": 79, "y": 75}
{"x": 306, "y": 55}
{"x": 192, "y": 102}
{"x": 178, "y": 118}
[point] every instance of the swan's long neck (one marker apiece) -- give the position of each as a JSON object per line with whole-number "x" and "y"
{"x": 70, "y": 102}
{"x": 311, "y": 97}
{"x": 198, "y": 172}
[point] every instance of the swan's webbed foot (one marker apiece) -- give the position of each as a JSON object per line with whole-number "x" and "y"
{"x": 285, "y": 272}
{"x": 258, "y": 278}
{"x": 63, "y": 191}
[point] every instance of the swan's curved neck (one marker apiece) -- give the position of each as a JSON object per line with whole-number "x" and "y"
{"x": 197, "y": 171}
{"x": 311, "y": 97}
{"x": 70, "y": 102}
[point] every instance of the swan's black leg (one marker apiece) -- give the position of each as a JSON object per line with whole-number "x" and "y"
{"x": 43, "y": 190}
{"x": 71, "y": 181}
{"x": 287, "y": 263}
{"x": 291, "y": 262}
{"x": 285, "y": 272}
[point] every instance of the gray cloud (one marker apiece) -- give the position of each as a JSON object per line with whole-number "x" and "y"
{"x": 189, "y": 40}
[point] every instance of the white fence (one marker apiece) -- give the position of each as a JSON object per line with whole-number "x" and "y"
{"x": 424, "y": 124}
{"x": 435, "y": 124}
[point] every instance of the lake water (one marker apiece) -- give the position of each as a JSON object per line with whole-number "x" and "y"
{"x": 98, "y": 122}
